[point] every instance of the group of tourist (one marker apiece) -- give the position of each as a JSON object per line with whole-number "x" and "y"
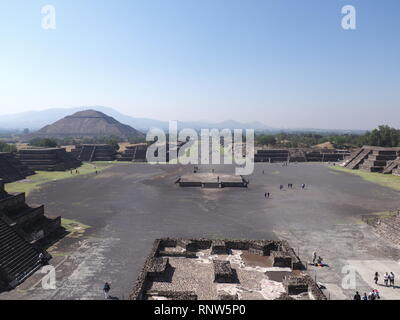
{"x": 373, "y": 295}
{"x": 317, "y": 260}
{"x": 388, "y": 279}
{"x": 281, "y": 187}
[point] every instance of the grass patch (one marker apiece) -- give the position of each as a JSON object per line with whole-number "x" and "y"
{"x": 74, "y": 228}
{"x": 374, "y": 217}
{"x": 35, "y": 181}
{"x": 386, "y": 180}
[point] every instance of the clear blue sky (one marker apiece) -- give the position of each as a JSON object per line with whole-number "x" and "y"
{"x": 287, "y": 63}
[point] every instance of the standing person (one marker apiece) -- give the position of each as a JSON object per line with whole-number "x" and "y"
{"x": 357, "y": 296}
{"x": 391, "y": 279}
{"x": 106, "y": 290}
{"x": 281, "y": 187}
{"x": 303, "y": 186}
{"x": 314, "y": 257}
{"x": 268, "y": 194}
{"x": 265, "y": 195}
{"x": 365, "y": 297}
{"x": 376, "y": 277}
{"x": 386, "y": 278}
{"x": 371, "y": 296}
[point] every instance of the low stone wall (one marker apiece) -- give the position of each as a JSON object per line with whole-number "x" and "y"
{"x": 278, "y": 249}
{"x": 295, "y": 285}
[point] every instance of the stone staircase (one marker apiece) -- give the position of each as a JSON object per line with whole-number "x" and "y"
{"x": 134, "y": 153}
{"x": 392, "y": 165}
{"x": 378, "y": 160}
{"x": 18, "y": 258}
{"x": 357, "y": 158}
{"x": 94, "y": 152}
{"x": 86, "y": 153}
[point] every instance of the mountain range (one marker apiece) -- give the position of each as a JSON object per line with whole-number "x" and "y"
{"x": 34, "y": 120}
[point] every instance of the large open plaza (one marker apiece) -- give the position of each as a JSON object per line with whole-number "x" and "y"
{"x": 114, "y": 216}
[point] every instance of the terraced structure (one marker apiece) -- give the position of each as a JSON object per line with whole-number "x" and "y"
{"x": 11, "y": 169}
{"x": 23, "y": 232}
{"x": 48, "y": 159}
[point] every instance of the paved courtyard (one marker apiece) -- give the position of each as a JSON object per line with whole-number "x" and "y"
{"x": 130, "y": 205}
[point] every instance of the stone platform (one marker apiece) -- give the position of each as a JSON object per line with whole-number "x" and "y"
{"x": 212, "y": 180}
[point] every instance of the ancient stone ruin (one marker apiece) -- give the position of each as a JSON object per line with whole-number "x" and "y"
{"x": 11, "y": 169}
{"x": 94, "y": 152}
{"x": 135, "y": 153}
{"x": 212, "y": 180}
{"x": 299, "y": 155}
{"x": 374, "y": 159}
{"x": 47, "y": 159}
{"x": 223, "y": 269}
{"x": 272, "y": 155}
{"x": 24, "y": 230}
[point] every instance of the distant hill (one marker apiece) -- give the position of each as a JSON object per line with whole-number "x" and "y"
{"x": 87, "y": 124}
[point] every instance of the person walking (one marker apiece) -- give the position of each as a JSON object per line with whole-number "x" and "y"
{"x": 376, "y": 277}
{"x": 106, "y": 290}
{"x": 357, "y": 296}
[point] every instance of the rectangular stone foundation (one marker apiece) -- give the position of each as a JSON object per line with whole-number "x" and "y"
{"x": 223, "y": 272}
{"x": 281, "y": 259}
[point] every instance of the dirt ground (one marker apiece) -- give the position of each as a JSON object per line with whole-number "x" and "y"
{"x": 129, "y": 205}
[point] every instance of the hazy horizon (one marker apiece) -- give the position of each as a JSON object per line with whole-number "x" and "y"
{"x": 284, "y": 63}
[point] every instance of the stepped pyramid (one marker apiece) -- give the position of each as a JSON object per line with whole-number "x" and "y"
{"x": 23, "y": 230}
{"x": 88, "y": 124}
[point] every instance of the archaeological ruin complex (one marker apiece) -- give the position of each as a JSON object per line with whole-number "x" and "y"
{"x": 222, "y": 269}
